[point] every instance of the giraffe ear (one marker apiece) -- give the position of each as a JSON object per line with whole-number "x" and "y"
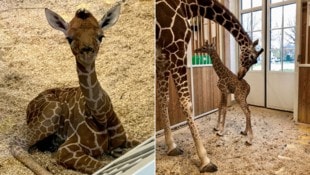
{"x": 111, "y": 17}
{"x": 56, "y": 21}
{"x": 255, "y": 43}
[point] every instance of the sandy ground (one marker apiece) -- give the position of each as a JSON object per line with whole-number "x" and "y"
{"x": 279, "y": 146}
{"x": 35, "y": 57}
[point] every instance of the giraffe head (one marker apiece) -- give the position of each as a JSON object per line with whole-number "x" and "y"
{"x": 84, "y": 33}
{"x": 206, "y": 48}
{"x": 248, "y": 57}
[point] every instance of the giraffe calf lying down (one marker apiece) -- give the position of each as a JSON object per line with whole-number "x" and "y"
{"x": 229, "y": 83}
{"x": 79, "y": 123}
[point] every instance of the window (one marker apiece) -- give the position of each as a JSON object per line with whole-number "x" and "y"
{"x": 282, "y": 37}
{"x": 251, "y": 20}
{"x": 280, "y": 28}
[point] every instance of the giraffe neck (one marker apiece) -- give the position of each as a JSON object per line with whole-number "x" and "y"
{"x": 220, "y": 69}
{"x": 96, "y": 98}
{"x": 218, "y": 13}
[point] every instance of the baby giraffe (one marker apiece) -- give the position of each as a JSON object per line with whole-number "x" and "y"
{"x": 229, "y": 83}
{"x": 79, "y": 122}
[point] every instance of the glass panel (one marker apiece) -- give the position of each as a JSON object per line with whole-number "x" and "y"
{"x": 256, "y": 3}
{"x": 250, "y": 34}
{"x": 255, "y": 36}
{"x": 276, "y": 17}
{"x": 289, "y": 38}
{"x": 258, "y": 35}
{"x": 275, "y": 41}
{"x": 288, "y": 60}
{"x": 290, "y": 15}
{"x": 246, "y": 21}
{"x": 245, "y": 4}
{"x": 275, "y": 50}
{"x": 275, "y": 60}
{"x": 257, "y": 20}
{"x": 275, "y": 1}
{"x": 258, "y": 65}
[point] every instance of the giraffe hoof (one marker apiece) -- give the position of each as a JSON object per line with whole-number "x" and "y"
{"x": 175, "y": 152}
{"x": 208, "y": 168}
{"x": 220, "y": 133}
{"x": 215, "y": 129}
{"x": 248, "y": 143}
{"x": 244, "y": 133}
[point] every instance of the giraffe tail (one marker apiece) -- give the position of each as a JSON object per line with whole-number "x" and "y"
{"x": 24, "y": 157}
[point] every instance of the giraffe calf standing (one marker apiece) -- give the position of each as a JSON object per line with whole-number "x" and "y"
{"x": 229, "y": 83}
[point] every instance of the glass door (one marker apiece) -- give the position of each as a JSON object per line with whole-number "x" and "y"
{"x": 281, "y": 54}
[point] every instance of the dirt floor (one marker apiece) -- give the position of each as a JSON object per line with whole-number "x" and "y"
{"x": 279, "y": 147}
{"x": 35, "y": 57}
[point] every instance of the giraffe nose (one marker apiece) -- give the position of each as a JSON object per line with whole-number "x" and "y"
{"x": 87, "y": 49}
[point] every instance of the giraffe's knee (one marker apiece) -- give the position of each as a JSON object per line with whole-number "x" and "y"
{"x": 64, "y": 157}
{"x": 189, "y": 108}
{"x": 73, "y": 157}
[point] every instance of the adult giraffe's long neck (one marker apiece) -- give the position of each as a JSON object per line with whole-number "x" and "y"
{"x": 217, "y": 12}
{"x": 97, "y": 100}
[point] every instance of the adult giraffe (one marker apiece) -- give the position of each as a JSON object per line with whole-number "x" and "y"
{"x": 173, "y": 33}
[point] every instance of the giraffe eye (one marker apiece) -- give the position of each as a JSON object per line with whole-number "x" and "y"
{"x": 100, "y": 37}
{"x": 69, "y": 39}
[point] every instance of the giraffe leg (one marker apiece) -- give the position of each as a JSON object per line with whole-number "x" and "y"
{"x": 118, "y": 138}
{"x": 183, "y": 91}
{"x": 219, "y": 118}
{"x": 162, "y": 76}
{"x": 71, "y": 155}
{"x": 248, "y": 129}
{"x": 245, "y": 108}
{"x": 222, "y": 114}
{"x": 44, "y": 124}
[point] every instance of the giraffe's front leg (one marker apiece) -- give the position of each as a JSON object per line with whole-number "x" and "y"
{"x": 173, "y": 149}
{"x": 222, "y": 113}
{"x": 248, "y": 129}
{"x": 184, "y": 95}
{"x": 118, "y": 139}
{"x": 217, "y": 128}
{"x": 72, "y": 156}
{"x": 162, "y": 76}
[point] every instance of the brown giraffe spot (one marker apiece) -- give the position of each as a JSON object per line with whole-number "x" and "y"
{"x": 219, "y": 19}
{"x": 205, "y": 3}
{"x": 218, "y": 9}
{"x": 173, "y": 4}
{"x": 167, "y": 36}
{"x": 210, "y": 13}
{"x": 167, "y": 16}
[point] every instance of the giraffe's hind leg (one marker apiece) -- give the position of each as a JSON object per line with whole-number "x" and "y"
{"x": 42, "y": 122}
{"x": 241, "y": 99}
